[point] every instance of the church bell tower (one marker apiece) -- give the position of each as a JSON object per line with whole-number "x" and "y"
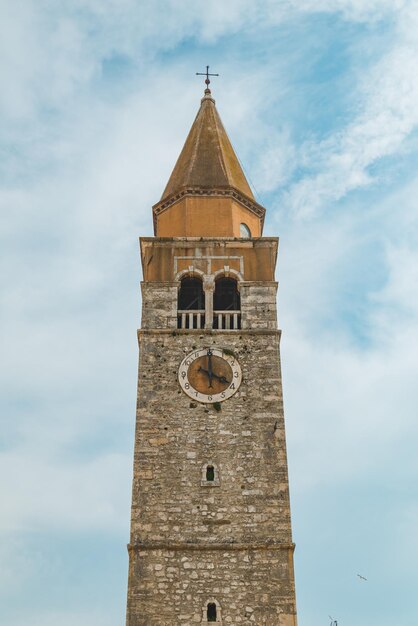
{"x": 210, "y": 526}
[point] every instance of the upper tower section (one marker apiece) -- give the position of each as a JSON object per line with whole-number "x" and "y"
{"x": 207, "y": 194}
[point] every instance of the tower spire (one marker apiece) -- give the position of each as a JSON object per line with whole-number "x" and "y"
{"x": 207, "y": 193}
{"x": 207, "y": 160}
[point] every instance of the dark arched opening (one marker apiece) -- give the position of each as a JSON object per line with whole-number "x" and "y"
{"x": 191, "y": 294}
{"x": 226, "y": 297}
{"x": 211, "y": 612}
{"x": 191, "y": 303}
{"x": 210, "y": 473}
{"x": 226, "y": 304}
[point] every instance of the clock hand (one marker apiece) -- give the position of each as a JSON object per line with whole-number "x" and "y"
{"x": 221, "y": 379}
{"x": 210, "y": 373}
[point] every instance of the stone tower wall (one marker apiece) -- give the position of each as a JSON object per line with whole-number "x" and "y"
{"x": 228, "y": 542}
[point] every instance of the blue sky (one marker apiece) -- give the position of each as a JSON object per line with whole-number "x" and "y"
{"x": 320, "y": 99}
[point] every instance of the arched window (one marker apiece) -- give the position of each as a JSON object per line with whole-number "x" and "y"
{"x": 210, "y": 475}
{"x": 244, "y": 231}
{"x": 211, "y": 612}
{"x": 191, "y": 294}
{"x": 226, "y": 296}
{"x": 191, "y": 303}
{"x": 226, "y": 305}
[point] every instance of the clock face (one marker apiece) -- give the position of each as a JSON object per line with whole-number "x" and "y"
{"x": 210, "y": 375}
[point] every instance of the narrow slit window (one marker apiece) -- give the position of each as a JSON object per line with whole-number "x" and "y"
{"x": 211, "y": 612}
{"x": 210, "y": 473}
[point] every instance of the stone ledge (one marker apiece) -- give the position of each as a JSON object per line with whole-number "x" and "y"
{"x": 203, "y": 240}
{"x": 209, "y": 547}
{"x": 209, "y": 332}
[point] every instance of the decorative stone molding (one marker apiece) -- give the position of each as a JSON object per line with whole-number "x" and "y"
{"x": 229, "y": 272}
{"x": 206, "y": 261}
{"x": 208, "y": 283}
{"x": 190, "y": 271}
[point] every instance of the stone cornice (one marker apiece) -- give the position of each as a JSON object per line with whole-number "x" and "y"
{"x": 243, "y": 283}
{"x": 224, "y": 546}
{"x": 202, "y": 241}
{"x": 209, "y": 331}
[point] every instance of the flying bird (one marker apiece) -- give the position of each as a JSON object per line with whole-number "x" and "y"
{"x": 362, "y": 577}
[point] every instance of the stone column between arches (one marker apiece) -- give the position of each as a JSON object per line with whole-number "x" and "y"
{"x": 208, "y": 288}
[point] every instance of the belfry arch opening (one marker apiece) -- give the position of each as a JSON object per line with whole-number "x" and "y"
{"x": 191, "y": 294}
{"x": 226, "y": 304}
{"x": 226, "y": 296}
{"x": 191, "y": 303}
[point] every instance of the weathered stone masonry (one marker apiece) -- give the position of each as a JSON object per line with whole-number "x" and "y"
{"x": 231, "y": 542}
{"x": 171, "y": 509}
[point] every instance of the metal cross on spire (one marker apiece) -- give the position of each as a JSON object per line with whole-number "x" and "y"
{"x": 207, "y": 81}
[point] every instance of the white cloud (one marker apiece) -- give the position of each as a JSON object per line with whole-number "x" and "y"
{"x": 50, "y": 53}
{"x": 17, "y": 566}
{"x": 277, "y": 159}
{"x": 387, "y": 115}
{"x": 351, "y": 401}
{"x": 353, "y": 9}
{"x": 51, "y": 493}
{"x": 68, "y": 617}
